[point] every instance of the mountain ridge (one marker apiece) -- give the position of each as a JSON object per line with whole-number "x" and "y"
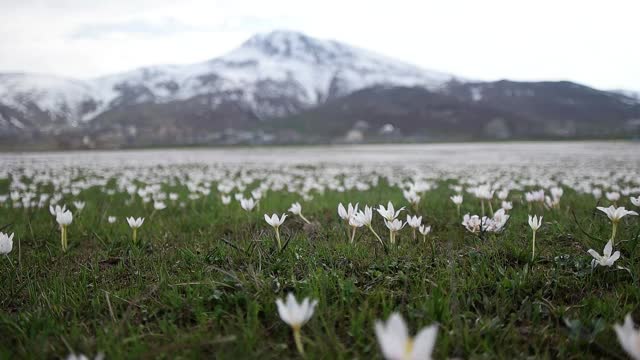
{"x": 277, "y": 75}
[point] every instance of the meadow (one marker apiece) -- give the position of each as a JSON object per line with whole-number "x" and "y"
{"x": 202, "y": 278}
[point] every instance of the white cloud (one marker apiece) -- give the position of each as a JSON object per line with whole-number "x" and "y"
{"x": 586, "y": 41}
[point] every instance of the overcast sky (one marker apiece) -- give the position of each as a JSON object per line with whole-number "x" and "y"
{"x": 592, "y": 42}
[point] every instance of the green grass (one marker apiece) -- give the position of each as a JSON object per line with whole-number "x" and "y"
{"x": 203, "y": 280}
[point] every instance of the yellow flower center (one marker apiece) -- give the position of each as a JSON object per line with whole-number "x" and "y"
{"x": 408, "y": 349}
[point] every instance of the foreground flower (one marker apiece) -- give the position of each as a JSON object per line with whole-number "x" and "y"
{"x": 535, "y": 223}
{"x": 606, "y": 259}
{"x": 275, "y": 222}
{"x": 6, "y": 243}
{"x": 134, "y": 224}
{"x": 615, "y": 214}
{"x": 296, "y": 315}
{"x": 396, "y": 344}
{"x": 73, "y": 356}
{"x": 64, "y": 219}
{"x": 629, "y": 337}
{"x": 296, "y": 209}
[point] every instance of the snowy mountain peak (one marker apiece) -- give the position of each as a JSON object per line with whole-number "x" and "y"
{"x": 272, "y": 74}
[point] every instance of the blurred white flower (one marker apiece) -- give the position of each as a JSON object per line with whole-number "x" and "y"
{"x": 296, "y": 315}
{"x": 396, "y": 344}
{"x": 629, "y": 337}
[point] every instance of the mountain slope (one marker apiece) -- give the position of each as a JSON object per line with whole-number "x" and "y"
{"x": 275, "y": 74}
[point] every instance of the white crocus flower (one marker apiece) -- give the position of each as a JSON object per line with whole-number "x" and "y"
{"x": 247, "y": 204}
{"x": 159, "y": 205}
{"x": 275, "y": 222}
{"x": 613, "y": 196}
{"x": 615, "y": 214}
{"x": 111, "y": 219}
{"x": 534, "y": 223}
{"x": 414, "y": 222}
{"x": 347, "y": 214}
{"x": 6, "y": 243}
{"x": 134, "y": 224}
{"x": 635, "y": 201}
{"x": 507, "y": 205}
{"x": 394, "y": 226}
{"x": 364, "y": 218}
{"x": 389, "y": 212}
{"x": 424, "y": 230}
{"x": 64, "y": 219}
{"x": 296, "y": 209}
{"x": 296, "y": 315}
{"x": 57, "y": 209}
{"x": 226, "y": 199}
{"x": 79, "y": 205}
{"x": 396, "y": 344}
{"x": 607, "y": 259}
{"x": 629, "y": 337}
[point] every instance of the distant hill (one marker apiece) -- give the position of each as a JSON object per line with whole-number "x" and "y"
{"x": 284, "y": 87}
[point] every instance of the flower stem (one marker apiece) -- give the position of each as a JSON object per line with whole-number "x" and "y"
{"x": 278, "y": 238}
{"x": 482, "y": 206}
{"x": 135, "y": 235}
{"x": 376, "y": 234}
{"x": 613, "y": 233}
{"x": 533, "y": 247}
{"x": 353, "y": 234}
{"x": 298, "y": 340}
{"x": 305, "y": 219}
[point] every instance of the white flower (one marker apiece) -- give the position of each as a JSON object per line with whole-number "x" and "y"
{"x": 507, "y": 205}
{"x": 347, "y": 214}
{"x": 615, "y": 214}
{"x": 483, "y": 192}
{"x": 159, "y": 205}
{"x": 57, "y": 209}
{"x": 412, "y": 197}
{"x": 629, "y": 337}
{"x": 73, "y": 356}
{"x": 135, "y": 223}
{"x": 534, "y": 196}
{"x": 472, "y": 223}
{"x": 247, "y": 204}
{"x": 111, "y": 219}
{"x": 613, "y": 196}
{"x": 294, "y": 314}
{"x": 606, "y": 259}
{"x": 597, "y": 193}
{"x": 503, "y": 194}
{"x": 296, "y": 208}
{"x": 6, "y": 243}
{"x": 353, "y": 222}
{"x": 457, "y": 199}
{"x": 396, "y": 344}
{"x": 395, "y": 225}
{"x": 534, "y": 222}
{"x": 364, "y": 217}
{"x": 64, "y": 218}
{"x": 556, "y": 192}
{"x": 226, "y": 199}
{"x": 173, "y": 196}
{"x": 414, "y": 221}
{"x": 389, "y": 213}
{"x": 635, "y": 201}
{"x": 274, "y": 220}
{"x": 79, "y": 205}
{"x": 424, "y": 230}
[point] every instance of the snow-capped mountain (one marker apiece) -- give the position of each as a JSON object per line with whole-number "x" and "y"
{"x": 272, "y": 75}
